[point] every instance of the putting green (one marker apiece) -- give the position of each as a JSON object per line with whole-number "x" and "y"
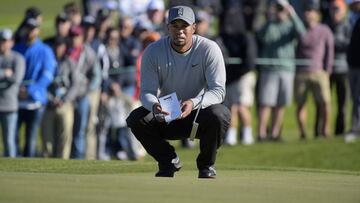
{"x": 230, "y": 186}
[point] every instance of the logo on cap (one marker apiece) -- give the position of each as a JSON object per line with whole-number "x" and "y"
{"x": 180, "y": 11}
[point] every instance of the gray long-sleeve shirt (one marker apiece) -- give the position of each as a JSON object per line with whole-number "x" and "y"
{"x": 9, "y": 86}
{"x": 199, "y": 70}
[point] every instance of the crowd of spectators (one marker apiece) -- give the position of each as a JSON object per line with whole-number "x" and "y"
{"x": 77, "y": 87}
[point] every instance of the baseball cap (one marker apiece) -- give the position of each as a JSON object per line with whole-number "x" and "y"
{"x": 282, "y": 2}
{"x": 6, "y": 34}
{"x": 31, "y": 23}
{"x": 181, "y": 13}
{"x": 75, "y": 31}
{"x": 32, "y": 12}
{"x": 62, "y": 17}
{"x": 202, "y": 15}
{"x": 156, "y": 5}
{"x": 88, "y": 21}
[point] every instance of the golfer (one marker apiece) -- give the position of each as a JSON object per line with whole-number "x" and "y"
{"x": 192, "y": 67}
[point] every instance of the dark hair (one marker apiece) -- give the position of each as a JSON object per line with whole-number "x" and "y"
{"x": 61, "y": 17}
{"x": 108, "y": 32}
{"x": 32, "y": 12}
{"x": 71, "y": 7}
{"x": 103, "y": 14}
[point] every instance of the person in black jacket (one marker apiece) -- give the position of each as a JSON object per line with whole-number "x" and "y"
{"x": 238, "y": 37}
{"x": 354, "y": 76}
{"x": 341, "y": 28}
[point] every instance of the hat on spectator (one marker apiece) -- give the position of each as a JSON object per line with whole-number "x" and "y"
{"x": 202, "y": 15}
{"x": 76, "y": 31}
{"x": 143, "y": 24}
{"x": 6, "y": 34}
{"x": 88, "y": 21}
{"x": 181, "y": 13}
{"x": 31, "y": 23}
{"x": 156, "y": 5}
{"x": 32, "y": 12}
{"x": 62, "y": 17}
{"x": 71, "y": 8}
{"x": 281, "y": 2}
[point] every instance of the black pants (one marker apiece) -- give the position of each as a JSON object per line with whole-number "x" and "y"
{"x": 213, "y": 124}
{"x": 342, "y": 94}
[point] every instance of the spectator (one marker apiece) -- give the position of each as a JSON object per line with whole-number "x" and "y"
{"x": 119, "y": 106}
{"x": 31, "y": 12}
{"x": 72, "y": 10}
{"x": 277, "y": 39}
{"x": 150, "y": 38}
{"x": 341, "y": 28}
{"x": 88, "y": 71}
{"x": 62, "y": 27}
{"x": 133, "y": 8}
{"x": 40, "y": 68}
{"x": 156, "y": 14}
{"x": 58, "y": 119}
{"x": 241, "y": 78}
{"x": 353, "y": 14}
{"x": 142, "y": 28}
{"x": 12, "y": 69}
{"x": 103, "y": 23}
{"x": 317, "y": 47}
{"x": 91, "y": 39}
{"x": 129, "y": 44}
{"x": 354, "y": 76}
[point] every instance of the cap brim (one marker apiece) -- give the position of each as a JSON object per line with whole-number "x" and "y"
{"x": 188, "y": 21}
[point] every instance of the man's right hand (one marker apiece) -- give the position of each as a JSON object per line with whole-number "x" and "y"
{"x": 159, "y": 114}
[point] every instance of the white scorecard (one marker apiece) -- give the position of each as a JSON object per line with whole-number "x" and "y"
{"x": 171, "y": 104}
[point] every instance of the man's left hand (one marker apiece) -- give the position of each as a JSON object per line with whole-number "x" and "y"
{"x": 186, "y": 108}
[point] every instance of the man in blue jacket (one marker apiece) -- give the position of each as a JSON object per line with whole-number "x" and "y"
{"x": 39, "y": 73}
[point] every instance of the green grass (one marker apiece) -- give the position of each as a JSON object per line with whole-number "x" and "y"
{"x": 231, "y": 186}
{"x": 12, "y": 13}
{"x": 294, "y": 171}
{"x": 316, "y": 171}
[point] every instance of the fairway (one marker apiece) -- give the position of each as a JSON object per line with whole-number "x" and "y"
{"x": 230, "y": 186}
{"x": 313, "y": 171}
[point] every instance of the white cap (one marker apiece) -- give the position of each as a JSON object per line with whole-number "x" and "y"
{"x": 6, "y": 34}
{"x": 156, "y": 5}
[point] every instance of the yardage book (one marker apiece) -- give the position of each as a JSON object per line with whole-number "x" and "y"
{"x": 171, "y": 104}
